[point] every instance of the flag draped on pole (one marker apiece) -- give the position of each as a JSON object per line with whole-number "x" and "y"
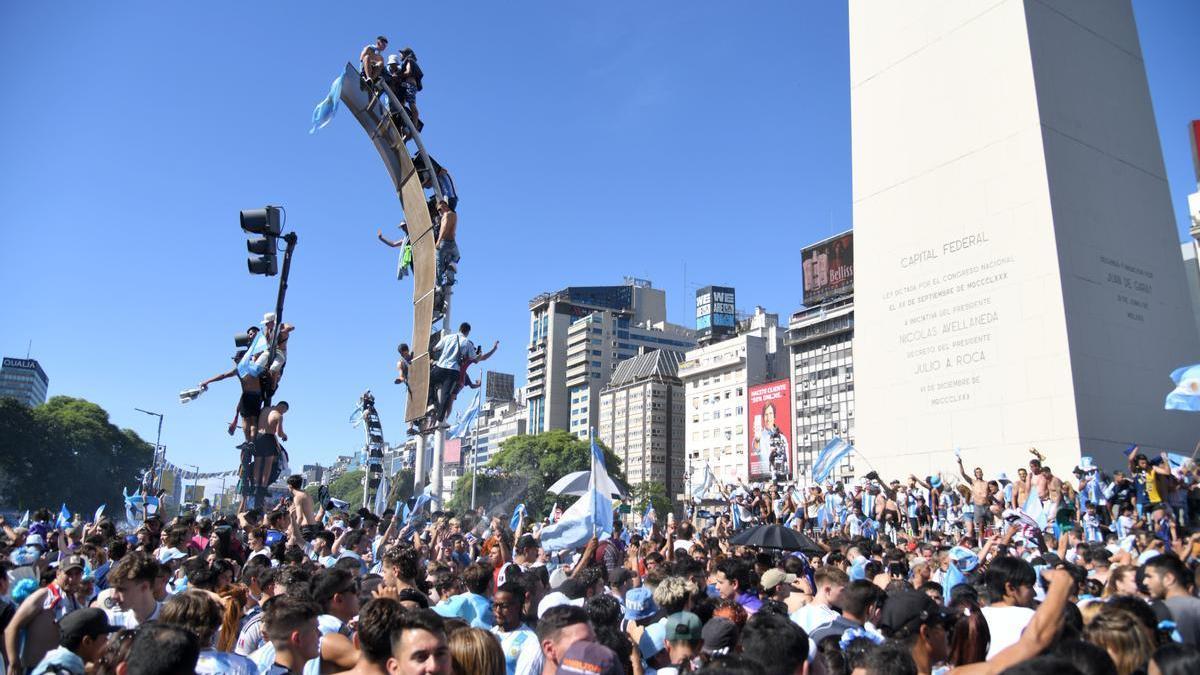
{"x": 833, "y": 453}
{"x": 463, "y": 425}
{"x": 325, "y": 110}
{"x": 590, "y": 515}
{"x": 1186, "y": 395}
{"x": 381, "y": 495}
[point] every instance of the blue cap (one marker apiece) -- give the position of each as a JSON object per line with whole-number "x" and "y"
{"x": 639, "y": 604}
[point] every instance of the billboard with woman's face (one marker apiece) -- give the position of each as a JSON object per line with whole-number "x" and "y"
{"x": 770, "y": 422}
{"x": 828, "y": 268}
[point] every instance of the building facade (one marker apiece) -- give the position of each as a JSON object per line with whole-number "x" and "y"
{"x": 24, "y": 380}
{"x": 716, "y": 379}
{"x": 578, "y": 336}
{"x": 1023, "y": 286}
{"x": 819, "y": 342}
{"x": 641, "y": 419}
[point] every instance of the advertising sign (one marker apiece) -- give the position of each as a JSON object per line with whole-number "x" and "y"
{"x": 828, "y": 268}
{"x": 770, "y": 414}
{"x": 716, "y": 310}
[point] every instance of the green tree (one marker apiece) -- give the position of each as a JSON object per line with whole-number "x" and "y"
{"x": 66, "y": 451}
{"x": 525, "y": 467}
{"x": 348, "y": 488}
{"x": 649, "y": 493}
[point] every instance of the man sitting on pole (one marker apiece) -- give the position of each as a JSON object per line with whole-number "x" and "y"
{"x": 443, "y": 375}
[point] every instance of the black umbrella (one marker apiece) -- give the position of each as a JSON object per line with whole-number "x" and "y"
{"x": 777, "y": 536}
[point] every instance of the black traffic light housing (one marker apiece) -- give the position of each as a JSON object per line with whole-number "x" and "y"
{"x": 264, "y": 222}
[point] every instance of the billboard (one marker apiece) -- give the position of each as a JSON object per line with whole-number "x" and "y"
{"x": 828, "y": 268}
{"x": 716, "y": 311}
{"x": 770, "y": 414}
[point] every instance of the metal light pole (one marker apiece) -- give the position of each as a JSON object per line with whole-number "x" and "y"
{"x": 474, "y": 460}
{"x": 153, "y": 460}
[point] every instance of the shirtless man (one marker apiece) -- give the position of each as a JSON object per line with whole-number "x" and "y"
{"x": 39, "y": 615}
{"x": 302, "y": 508}
{"x": 402, "y": 365}
{"x": 266, "y": 447}
{"x": 1053, "y": 494}
{"x": 1021, "y": 490}
{"x": 979, "y": 499}
{"x": 447, "y": 249}
{"x": 371, "y": 58}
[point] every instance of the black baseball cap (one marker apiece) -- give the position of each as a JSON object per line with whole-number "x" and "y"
{"x": 86, "y": 622}
{"x": 908, "y": 610}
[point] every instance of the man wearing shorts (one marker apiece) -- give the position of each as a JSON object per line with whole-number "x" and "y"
{"x": 979, "y": 500}
{"x": 267, "y": 448}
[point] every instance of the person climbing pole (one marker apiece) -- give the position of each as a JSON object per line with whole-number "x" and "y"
{"x": 445, "y": 372}
{"x": 404, "y": 266}
{"x": 371, "y": 59}
{"x": 410, "y": 80}
{"x": 447, "y": 249}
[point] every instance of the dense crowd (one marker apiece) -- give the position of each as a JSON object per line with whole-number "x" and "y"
{"x": 888, "y": 581}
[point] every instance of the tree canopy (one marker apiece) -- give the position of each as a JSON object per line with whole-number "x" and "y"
{"x": 66, "y": 451}
{"x": 525, "y": 467}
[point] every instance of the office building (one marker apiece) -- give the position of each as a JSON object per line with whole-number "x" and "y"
{"x": 24, "y": 380}
{"x": 641, "y": 419}
{"x": 819, "y": 342}
{"x": 577, "y": 337}
{"x": 716, "y": 381}
{"x": 1023, "y": 285}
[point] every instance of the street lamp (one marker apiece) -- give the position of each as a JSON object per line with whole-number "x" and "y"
{"x": 157, "y": 444}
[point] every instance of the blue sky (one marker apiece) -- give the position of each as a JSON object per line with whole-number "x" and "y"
{"x": 686, "y": 143}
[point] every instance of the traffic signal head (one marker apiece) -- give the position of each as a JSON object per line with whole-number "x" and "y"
{"x": 265, "y": 222}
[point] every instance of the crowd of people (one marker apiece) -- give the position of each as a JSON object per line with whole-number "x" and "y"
{"x": 306, "y": 587}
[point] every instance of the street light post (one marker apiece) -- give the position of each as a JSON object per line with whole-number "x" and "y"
{"x": 153, "y": 460}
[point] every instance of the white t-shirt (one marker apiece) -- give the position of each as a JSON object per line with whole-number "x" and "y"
{"x": 1005, "y": 624}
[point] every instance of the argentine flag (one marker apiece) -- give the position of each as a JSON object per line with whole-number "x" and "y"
{"x": 830, "y": 456}
{"x": 466, "y": 419}
{"x": 590, "y": 515}
{"x": 1186, "y": 395}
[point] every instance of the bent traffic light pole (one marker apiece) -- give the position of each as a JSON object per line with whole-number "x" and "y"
{"x": 290, "y": 242}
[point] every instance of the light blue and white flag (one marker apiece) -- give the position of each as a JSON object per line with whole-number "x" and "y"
{"x": 381, "y": 495}
{"x": 327, "y": 108}
{"x": 590, "y": 515}
{"x": 964, "y": 558}
{"x": 1033, "y": 509}
{"x": 830, "y": 456}
{"x": 466, "y": 418}
{"x": 953, "y": 577}
{"x": 602, "y": 505}
{"x": 338, "y": 503}
{"x": 1186, "y": 395}
{"x": 702, "y": 486}
{"x": 64, "y": 518}
{"x": 516, "y": 517}
{"x": 99, "y": 514}
{"x": 24, "y": 519}
{"x": 247, "y": 366}
{"x": 648, "y": 520}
